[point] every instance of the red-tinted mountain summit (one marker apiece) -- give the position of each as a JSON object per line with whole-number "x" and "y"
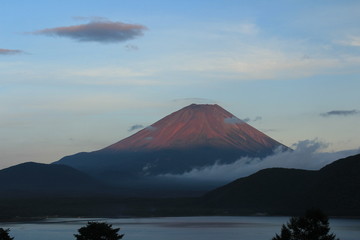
{"x": 194, "y": 137}
{"x": 198, "y": 126}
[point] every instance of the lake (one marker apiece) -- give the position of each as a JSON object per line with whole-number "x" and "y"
{"x": 175, "y": 228}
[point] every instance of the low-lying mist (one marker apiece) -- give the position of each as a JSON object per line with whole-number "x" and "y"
{"x": 305, "y": 155}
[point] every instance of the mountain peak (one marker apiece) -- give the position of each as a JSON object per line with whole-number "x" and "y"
{"x": 197, "y": 125}
{"x": 194, "y": 137}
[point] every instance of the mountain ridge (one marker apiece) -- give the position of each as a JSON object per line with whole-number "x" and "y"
{"x": 31, "y": 178}
{"x": 333, "y": 188}
{"x": 273, "y": 191}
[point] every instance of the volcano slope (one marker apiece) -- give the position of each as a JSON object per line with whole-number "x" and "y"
{"x": 193, "y": 137}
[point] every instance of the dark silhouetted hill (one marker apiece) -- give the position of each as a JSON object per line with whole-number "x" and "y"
{"x": 334, "y": 188}
{"x": 36, "y": 179}
{"x": 49, "y": 190}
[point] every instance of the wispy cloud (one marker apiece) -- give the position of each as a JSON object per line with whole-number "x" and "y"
{"x": 233, "y": 120}
{"x": 150, "y": 128}
{"x": 110, "y": 71}
{"x": 91, "y": 18}
{"x": 306, "y": 155}
{"x": 10, "y": 51}
{"x": 131, "y": 47}
{"x": 252, "y": 52}
{"x": 97, "y": 31}
{"x": 242, "y": 28}
{"x": 135, "y": 127}
{"x": 340, "y": 113}
{"x": 252, "y": 62}
{"x": 353, "y": 41}
{"x": 258, "y": 118}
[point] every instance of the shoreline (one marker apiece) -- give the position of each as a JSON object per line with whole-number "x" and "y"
{"x": 18, "y": 220}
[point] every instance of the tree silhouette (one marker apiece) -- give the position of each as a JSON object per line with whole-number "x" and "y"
{"x": 4, "y": 234}
{"x": 98, "y": 231}
{"x": 313, "y": 226}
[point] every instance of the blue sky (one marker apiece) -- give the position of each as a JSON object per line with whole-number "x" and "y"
{"x": 77, "y": 75}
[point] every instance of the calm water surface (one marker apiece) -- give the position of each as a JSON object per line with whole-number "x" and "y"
{"x": 175, "y": 228}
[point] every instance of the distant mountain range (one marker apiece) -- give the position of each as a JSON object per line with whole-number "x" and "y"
{"x": 37, "y": 190}
{"x": 194, "y": 137}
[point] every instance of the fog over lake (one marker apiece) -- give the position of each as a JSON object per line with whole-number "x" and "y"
{"x": 175, "y": 228}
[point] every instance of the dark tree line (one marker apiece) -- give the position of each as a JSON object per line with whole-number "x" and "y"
{"x": 4, "y": 234}
{"x": 92, "y": 231}
{"x": 98, "y": 231}
{"x": 313, "y": 226}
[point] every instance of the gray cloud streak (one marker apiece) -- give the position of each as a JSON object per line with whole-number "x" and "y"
{"x": 135, "y": 127}
{"x": 97, "y": 31}
{"x": 233, "y": 120}
{"x": 247, "y": 120}
{"x": 258, "y": 118}
{"x": 340, "y": 113}
{"x": 10, "y": 51}
{"x": 150, "y": 128}
{"x": 131, "y": 47}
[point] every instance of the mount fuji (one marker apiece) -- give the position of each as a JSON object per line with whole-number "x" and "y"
{"x": 193, "y": 137}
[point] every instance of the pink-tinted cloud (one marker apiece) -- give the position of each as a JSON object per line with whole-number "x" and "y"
{"x": 97, "y": 31}
{"x": 9, "y": 51}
